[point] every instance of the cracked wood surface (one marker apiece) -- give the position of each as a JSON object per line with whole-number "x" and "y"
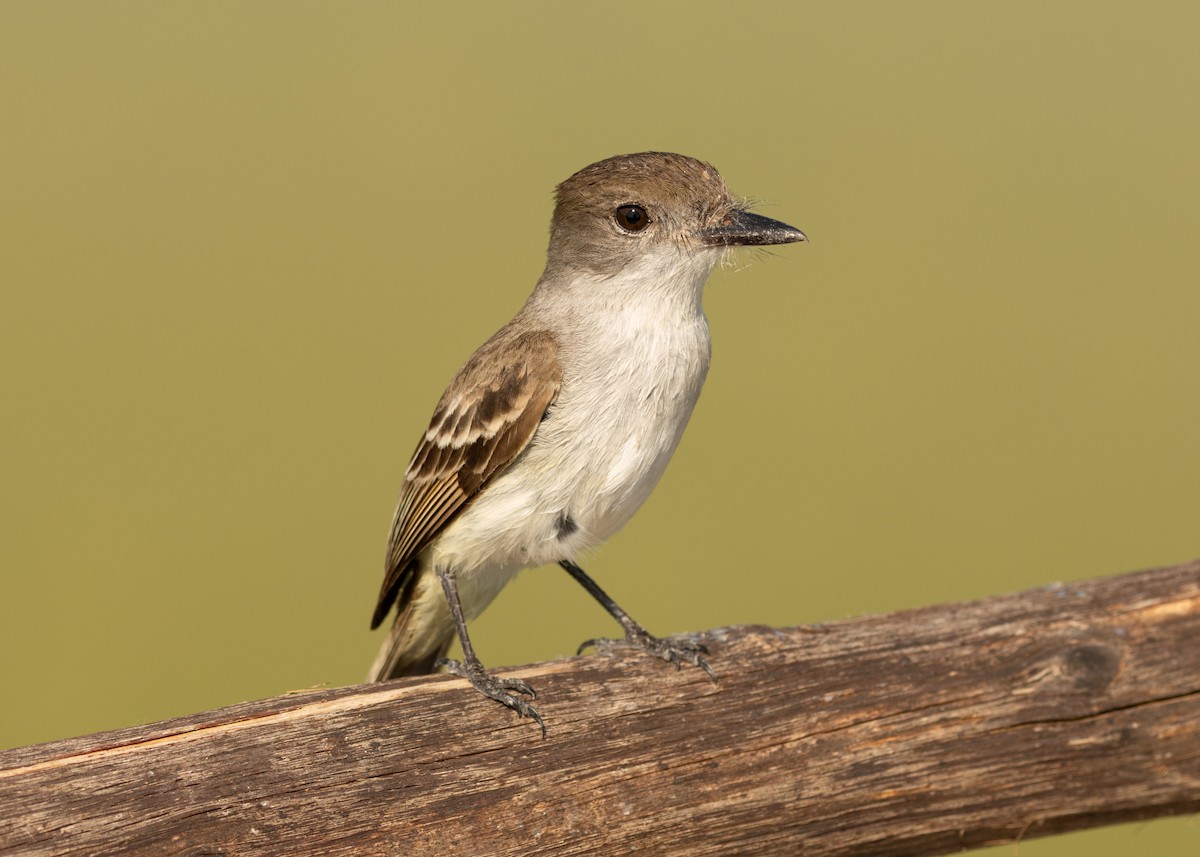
{"x": 919, "y": 732}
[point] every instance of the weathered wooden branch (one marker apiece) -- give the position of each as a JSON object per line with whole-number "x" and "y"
{"x": 920, "y": 732}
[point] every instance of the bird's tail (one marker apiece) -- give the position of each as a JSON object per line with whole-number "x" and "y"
{"x": 421, "y": 634}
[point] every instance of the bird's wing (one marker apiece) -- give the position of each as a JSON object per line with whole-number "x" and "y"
{"x": 486, "y": 417}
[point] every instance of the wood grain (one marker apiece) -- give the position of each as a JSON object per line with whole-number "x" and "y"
{"x": 920, "y": 732}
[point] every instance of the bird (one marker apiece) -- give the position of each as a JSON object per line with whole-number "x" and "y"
{"x": 555, "y": 431}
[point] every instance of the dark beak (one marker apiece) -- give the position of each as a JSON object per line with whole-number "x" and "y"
{"x": 741, "y": 228}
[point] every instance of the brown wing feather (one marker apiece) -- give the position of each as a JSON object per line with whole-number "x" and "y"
{"x": 486, "y": 417}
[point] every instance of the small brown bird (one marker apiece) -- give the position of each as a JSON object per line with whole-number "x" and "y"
{"x": 555, "y": 431}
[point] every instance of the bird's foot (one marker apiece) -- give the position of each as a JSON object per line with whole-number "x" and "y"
{"x": 503, "y": 690}
{"x": 672, "y": 649}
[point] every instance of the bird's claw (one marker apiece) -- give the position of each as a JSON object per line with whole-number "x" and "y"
{"x": 671, "y": 649}
{"x": 502, "y": 690}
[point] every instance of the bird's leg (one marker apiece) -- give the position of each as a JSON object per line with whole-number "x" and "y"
{"x": 675, "y": 651}
{"x": 500, "y": 689}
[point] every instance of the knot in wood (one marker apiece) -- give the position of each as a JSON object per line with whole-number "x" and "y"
{"x": 1091, "y": 666}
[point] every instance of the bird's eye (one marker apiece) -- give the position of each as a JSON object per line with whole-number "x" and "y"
{"x": 631, "y": 218}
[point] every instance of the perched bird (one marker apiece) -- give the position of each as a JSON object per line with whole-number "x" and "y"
{"x": 555, "y": 431}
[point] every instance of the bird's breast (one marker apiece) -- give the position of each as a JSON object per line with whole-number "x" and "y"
{"x": 620, "y": 418}
{"x": 624, "y": 402}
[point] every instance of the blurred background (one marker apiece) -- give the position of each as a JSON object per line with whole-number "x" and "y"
{"x": 232, "y": 233}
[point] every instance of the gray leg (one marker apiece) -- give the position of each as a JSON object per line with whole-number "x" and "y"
{"x": 636, "y": 636}
{"x": 473, "y": 671}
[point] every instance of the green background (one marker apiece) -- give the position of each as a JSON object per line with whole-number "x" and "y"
{"x": 243, "y": 247}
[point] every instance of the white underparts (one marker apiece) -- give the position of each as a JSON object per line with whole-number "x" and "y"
{"x": 635, "y": 350}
